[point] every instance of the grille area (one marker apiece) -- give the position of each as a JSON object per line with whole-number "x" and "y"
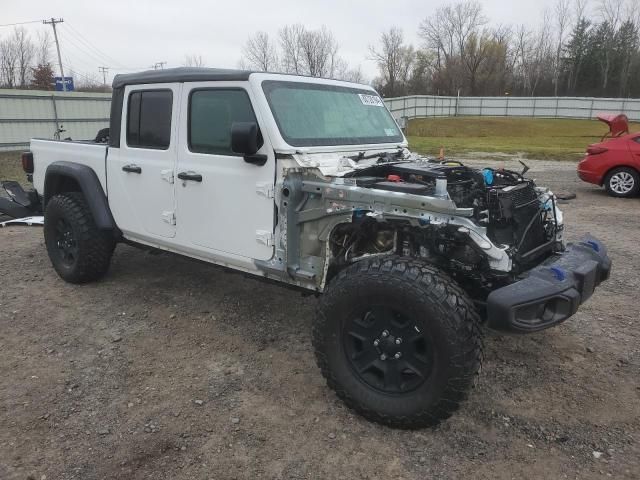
{"x": 515, "y": 218}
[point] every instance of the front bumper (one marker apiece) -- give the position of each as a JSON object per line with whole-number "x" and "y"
{"x": 551, "y": 292}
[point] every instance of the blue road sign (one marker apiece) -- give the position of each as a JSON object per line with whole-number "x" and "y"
{"x": 68, "y": 82}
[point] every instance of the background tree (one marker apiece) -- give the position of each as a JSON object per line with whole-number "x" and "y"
{"x": 300, "y": 51}
{"x": 42, "y": 77}
{"x": 193, "y": 61}
{"x": 394, "y": 60}
{"x": 260, "y": 53}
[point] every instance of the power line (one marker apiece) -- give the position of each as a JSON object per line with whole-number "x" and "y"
{"x": 84, "y": 40}
{"x": 84, "y": 75}
{"x": 20, "y": 23}
{"x": 89, "y": 55}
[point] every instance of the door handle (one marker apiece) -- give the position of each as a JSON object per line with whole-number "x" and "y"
{"x": 132, "y": 169}
{"x": 194, "y": 177}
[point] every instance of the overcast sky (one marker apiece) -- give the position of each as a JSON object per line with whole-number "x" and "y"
{"x": 135, "y": 34}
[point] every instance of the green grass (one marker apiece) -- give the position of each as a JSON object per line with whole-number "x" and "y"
{"x": 11, "y": 168}
{"x": 536, "y": 138}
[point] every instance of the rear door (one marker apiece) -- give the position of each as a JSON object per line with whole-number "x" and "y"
{"x": 140, "y": 173}
{"x": 227, "y": 205}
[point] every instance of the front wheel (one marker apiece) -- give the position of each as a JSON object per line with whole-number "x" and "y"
{"x": 398, "y": 341}
{"x": 622, "y": 182}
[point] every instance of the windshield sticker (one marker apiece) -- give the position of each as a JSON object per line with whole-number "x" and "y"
{"x": 371, "y": 100}
{"x": 390, "y": 132}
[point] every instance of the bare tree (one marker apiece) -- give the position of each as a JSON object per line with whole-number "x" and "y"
{"x": 43, "y": 48}
{"x": 630, "y": 36}
{"x": 260, "y": 53}
{"x": 8, "y": 62}
{"x": 319, "y": 51}
{"x": 456, "y": 34}
{"x": 611, "y": 14}
{"x": 291, "y": 56}
{"x": 25, "y": 51}
{"x": 394, "y": 60}
{"x": 342, "y": 71}
{"x": 562, "y": 21}
{"x": 193, "y": 61}
{"x": 533, "y": 53}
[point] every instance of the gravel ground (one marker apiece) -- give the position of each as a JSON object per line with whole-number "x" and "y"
{"x": 172, "y": 369}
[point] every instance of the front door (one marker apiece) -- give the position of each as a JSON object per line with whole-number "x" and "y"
{"x": 140, "y": 173}
{"x": 223, "y": 202}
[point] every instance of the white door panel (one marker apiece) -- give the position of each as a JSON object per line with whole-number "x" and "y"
{"x": 223, "y": 212}
{"x": 140, "y": 178}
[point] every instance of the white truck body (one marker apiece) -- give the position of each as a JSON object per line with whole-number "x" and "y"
{"x": 310, "y": 182}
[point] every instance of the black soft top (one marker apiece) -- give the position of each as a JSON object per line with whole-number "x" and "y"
{"x": 181, "y": 74}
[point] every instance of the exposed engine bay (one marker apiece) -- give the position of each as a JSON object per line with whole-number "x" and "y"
{"x": 508, "y": 208}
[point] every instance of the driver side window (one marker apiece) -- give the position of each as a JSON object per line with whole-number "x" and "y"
{"x": 212, "y": 112}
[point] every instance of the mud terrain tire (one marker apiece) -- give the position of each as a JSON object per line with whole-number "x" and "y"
{"x": 379, "y": 313}
{"x": 78, "y": 250}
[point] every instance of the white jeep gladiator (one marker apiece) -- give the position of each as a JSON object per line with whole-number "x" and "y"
{"x": 309, "y": 182}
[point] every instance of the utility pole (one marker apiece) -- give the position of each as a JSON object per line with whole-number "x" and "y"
{"x": 53, "y": 22}
{"x": 104, "y": 71}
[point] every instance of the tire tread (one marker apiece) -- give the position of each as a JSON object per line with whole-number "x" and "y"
{"x": 463, "y": 325}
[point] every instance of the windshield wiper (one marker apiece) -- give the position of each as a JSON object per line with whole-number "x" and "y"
{"x": 382, "y": 157}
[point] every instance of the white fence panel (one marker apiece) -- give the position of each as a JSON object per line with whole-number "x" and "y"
{"x": 550, "y": 107}
{"x": 25, "y": 114}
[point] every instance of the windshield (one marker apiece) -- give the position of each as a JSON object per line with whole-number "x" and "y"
{"x": 315, "y": 114}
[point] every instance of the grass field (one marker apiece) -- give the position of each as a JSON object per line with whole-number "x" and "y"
{"x": 10, "y": 167}
{"x": 549, "y": 139}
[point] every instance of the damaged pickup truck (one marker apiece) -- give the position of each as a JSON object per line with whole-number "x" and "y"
{"x": 309, "y": 182}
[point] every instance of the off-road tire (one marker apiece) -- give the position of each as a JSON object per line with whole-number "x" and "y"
{"x": 627, "y": 173}
{"x": 93, "y": 246}
{"x": 445, "y": 313}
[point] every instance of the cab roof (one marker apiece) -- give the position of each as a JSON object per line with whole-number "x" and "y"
{"x": 180, "y": 74}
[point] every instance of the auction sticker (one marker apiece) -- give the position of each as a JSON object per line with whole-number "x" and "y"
{"x": 371, "y": 100}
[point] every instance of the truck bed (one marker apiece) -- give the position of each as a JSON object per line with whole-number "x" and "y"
{"x": 45, "y": 152}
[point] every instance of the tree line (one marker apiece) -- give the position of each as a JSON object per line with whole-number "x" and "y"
{"x": 26, "y": 63}
{"x": 581, "y": 48}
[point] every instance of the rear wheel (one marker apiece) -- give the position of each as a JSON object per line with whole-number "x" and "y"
{"x": 78, "y": 250}
{"x": 622, "y": 182}
{"x": 398, "y": 341}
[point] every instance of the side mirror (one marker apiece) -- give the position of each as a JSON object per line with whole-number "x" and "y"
{"x": 245, "y": 139}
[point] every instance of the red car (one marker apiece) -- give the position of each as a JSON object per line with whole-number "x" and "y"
{"x": 614, "y": 162}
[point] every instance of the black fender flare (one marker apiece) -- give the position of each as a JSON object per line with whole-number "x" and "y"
{"x": 59, "y": 172}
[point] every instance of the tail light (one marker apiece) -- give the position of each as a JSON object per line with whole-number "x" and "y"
{"x": 596, "y": 150}
{"x": 27, "y": 162}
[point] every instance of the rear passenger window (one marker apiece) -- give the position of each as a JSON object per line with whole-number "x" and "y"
{"x": 211, "y": 115}
{"x": 149, "y": 119}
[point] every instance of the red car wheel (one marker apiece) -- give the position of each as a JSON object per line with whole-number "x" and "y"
{"x": 622, "y": 182}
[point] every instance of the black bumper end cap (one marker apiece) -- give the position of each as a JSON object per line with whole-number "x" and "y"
{"x": 552, "y": 291}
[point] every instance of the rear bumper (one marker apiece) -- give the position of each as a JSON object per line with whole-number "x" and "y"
{"x": 551, "y": 292}
{"x": 590, "y": 177}
{"x": 589, "y": 172}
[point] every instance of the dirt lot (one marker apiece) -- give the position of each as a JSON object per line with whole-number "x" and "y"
{"x": 177, "y": 370}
